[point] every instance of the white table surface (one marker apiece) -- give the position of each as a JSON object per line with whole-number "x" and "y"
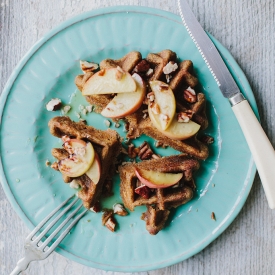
{"x": 247, "y": 29}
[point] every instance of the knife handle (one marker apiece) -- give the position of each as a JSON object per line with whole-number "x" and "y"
{"x": 260, "y": 147}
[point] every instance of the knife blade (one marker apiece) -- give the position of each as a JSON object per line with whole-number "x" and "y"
{"x": 258, "y": 142}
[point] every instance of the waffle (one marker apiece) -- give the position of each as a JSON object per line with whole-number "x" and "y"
{"x": 159, "y": 200}
{"x": 178, "y": 81}
{"x": 106, "y": 144}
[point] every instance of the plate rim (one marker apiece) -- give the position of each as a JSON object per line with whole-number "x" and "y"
{"x": 82, "y": 17}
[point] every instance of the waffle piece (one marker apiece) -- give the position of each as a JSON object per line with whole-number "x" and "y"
{"x": 159, "y": 200}
{"x": 179, "y": 81}
{"x": 164, "y": 196}
{"x": 127, "y": 63}
{"x": 106, "y": 144}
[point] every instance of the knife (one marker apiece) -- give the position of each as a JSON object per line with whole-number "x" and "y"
{"x": 259, "y": 144}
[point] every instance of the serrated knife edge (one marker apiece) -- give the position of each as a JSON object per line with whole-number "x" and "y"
{"x": 209, "y": 53}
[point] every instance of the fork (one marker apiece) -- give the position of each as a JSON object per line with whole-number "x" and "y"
{"x": 35, "y": 249}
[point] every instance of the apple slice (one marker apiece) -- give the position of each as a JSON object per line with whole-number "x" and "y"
{"x": 109, "y": 81}
{"x": 94, "y": 171}
{"x": 163, "y": 106}
{"x": 124, "y": 104}
{"x": 177, "y": 130}
{"x": 81, "y": 157}
{"x": 154, "y": 179}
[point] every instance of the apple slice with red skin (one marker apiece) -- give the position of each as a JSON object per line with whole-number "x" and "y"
{"x": 163, "y": 107}
{"x": 94, "y": 171}
{"x": 124, "y": 104}
{"x": 109, "y": 81}
{"x": 155, "y": 179}
{"x": 81, "y": 157}
{"x": 176, "y": 130}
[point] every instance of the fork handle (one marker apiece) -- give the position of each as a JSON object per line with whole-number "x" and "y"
{"x": 21, "y": 266}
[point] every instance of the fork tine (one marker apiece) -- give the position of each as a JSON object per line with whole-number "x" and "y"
{"x": 59, "y": 228}
{"x": 39, "y": 226}
{"x": 65, "y": 232}
{"x": 53, "y": 222}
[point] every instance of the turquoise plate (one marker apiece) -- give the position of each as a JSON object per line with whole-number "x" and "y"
{"x": 48, "y": 71}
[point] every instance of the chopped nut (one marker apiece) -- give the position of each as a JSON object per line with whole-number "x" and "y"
{"x": 111, "y": 224}
{"x": 47, "y": 163}
{"x": 81, "y": 107}
{"x": 207, "y": 139}
{"x": 168, "y": 77}
{"x": 66, "y": 109}
{"x": 77, "y": 115}
{"x": 117, "y": 125}
{"x": 144, "y": 116}
{"x": 154, "y": 156}
{"x": 189, "y": 96}
{"x": 151, "y": 94}
{"x": 160, "y": 144}
{"x": 213, "y": 217}
{"x": 151, "y": 97}
{"x": 107, "y": 122}
{"x": 164, "y": 117}
{"x": 124, "y": 151}
{"x": 65, "y": 138}
{"x": 108, "y": 219}
{"x": 89, "y": 108}
{"x": 101, "y": 72}
{"x": 150, "y": 72}
{"x": 54, "y": 105}
{"x": 170, "y": 67}
{"x": 131, "y": 151}
{"x": 74, "y": 184}
{"x": 55, "y": 166}
{"x": 176, "y": 185}
{"x": 96, "y": 207}
{"x": 119, "y": 209}
{"x": 126, "y": 127}
{"x": 84, "y": 112}
{"x": 143, "y": 191}
{"x": 145, "y": 151}
{"x": 86, "y": 66}
{"x": 185, "y": 116}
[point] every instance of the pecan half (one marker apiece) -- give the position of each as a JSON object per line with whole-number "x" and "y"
{"x": 145, "y": 151}
{"x": 189, "y": 96}
{"x": 143, "y": 191}
{"x": 142, "y": 67}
